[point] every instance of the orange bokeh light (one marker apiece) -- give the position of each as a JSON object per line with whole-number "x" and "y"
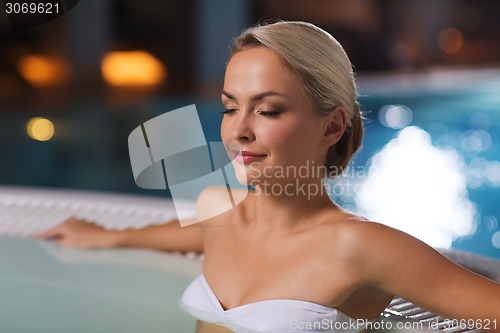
{"x": 43, "y": 71}
{"x": 132, "y": 68}
{"x": 450, "y": 40}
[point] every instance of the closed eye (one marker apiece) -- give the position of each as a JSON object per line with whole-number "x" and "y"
{"x": 269, "y": 114}
{"x": 227, "y": 111}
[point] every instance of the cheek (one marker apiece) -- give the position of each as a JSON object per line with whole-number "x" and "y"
{"x": 280, "y": 137}
{"x": 224, "y": 130}
{"x": 294, "y": 143}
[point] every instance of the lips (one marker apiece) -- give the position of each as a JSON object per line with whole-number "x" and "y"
{"x": 247, "y": 156}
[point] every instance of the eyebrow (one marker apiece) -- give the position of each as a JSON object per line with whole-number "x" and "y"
{"x": 256, "y": 97}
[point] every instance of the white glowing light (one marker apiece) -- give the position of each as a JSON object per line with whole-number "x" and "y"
{"x": 474, "y": 142}
{"x": 495, "y": 240}
{"x": 419, "y": 189}
{"x": 479, "y": 162}
{"x": 395, "y": 116}
{"x": 475, "y": 178}
{"x": 493, "y": 173}
{"x": 447, "y": 140}
{"x": 490, "y": 223}
{"x": 476, "y": 175}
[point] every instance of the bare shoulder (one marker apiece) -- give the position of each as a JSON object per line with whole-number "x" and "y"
{"x": 351, "y": 229}
{"x": 371, "y": 239}
{"x": 357, "y": 231}
{"x": 361, "y": 240}
{"x": 209, "y": 194}
{"x": 215, "y": 201}
{"x": 377, "y": 249}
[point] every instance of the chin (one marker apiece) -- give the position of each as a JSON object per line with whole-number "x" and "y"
{"x": 241, "y": 173}
{"x": 244, "y": 177}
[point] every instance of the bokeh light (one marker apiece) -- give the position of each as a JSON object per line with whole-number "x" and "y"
{"x": 132, "y": 68}
{"x": 493, "y": 173}
{"x": 40, "y": 129}
{"x": 474, "y": 142}
{"x": 490, "y": 223}
{"x": 495, "y": 240}
{"x": 43, "y": 71}
{"x": 395, "y": 116}
{"x": 450, "y": 40}
{"x": 418, "y": 188}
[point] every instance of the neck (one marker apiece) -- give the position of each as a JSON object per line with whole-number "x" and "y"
{"x": 289, "y": 206}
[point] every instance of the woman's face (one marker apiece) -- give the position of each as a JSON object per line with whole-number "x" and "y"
{"x": 269, "y": 123}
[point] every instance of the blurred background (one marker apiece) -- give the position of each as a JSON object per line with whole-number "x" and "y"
{"x": 72, "y": 89}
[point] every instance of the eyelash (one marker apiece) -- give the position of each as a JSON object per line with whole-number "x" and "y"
{"x": 227, "y": 111}
{"x": 268, "y": 114}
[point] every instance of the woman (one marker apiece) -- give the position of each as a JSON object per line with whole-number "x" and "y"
{"x": 287, "y": 254}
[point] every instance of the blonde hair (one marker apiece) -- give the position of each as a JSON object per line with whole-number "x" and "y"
{"x": 326, "y": 73}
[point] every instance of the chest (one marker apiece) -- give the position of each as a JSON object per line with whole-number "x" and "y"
{"x": 246, "y": 270}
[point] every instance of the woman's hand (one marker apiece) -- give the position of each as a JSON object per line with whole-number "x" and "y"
{"x": 78, "y": 233}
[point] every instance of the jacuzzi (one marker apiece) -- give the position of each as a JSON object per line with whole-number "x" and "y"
{"x": 46, "y": 288}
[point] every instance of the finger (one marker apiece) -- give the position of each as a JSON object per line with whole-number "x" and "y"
{"x": 50, "y": 233}
{"x": 51, "y": 236}
{"x": 58, "y": 228}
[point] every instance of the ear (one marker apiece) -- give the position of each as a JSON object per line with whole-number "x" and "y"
{"x": 335, "y": 125}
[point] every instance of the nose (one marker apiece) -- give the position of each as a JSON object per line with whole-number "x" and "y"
{"x": 242, "y": 127}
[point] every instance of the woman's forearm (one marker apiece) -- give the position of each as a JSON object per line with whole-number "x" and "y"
{"x": 168, "y": 237}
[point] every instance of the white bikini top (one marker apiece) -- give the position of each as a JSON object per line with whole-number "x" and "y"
{"x": 270, "y": 316}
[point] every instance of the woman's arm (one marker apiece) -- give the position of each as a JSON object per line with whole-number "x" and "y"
{"x": 401, "y": 264}
{"x": 170, "y": 236}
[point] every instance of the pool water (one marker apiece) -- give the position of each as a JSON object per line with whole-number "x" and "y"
{"x": 46, "y": 288}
